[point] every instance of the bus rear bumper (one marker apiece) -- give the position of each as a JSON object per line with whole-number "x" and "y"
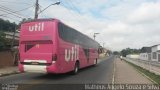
{"x": 35, "y": 68}
{"x": 38, "y": 68}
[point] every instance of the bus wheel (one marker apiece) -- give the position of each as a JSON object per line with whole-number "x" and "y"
{"x": 76, "y": 68}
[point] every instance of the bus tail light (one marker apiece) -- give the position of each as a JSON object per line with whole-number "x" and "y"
{"x": 54, "y": 57}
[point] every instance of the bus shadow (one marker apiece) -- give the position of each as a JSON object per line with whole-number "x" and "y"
{"x": 51, "y": 76}
{"x": 87, "y": 68}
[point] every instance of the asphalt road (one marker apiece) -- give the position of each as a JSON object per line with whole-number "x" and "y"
{"x": 100, "y": 74}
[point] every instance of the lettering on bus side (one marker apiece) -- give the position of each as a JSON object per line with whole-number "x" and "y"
{"x": 36, "y": 27}
{"x": 72, "y": 54}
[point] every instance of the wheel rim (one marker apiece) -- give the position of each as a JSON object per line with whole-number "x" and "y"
{"x": 76, "y": 69}
{"x": 95, "y": 62}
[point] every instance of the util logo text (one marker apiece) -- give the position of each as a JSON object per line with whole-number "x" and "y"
{"x": 72, "y": 54}
{"x": 37, "y": 27}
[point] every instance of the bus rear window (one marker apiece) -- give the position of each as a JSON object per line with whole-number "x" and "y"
{"x": 38, "y": 46}
{"x": 28, "y": 46}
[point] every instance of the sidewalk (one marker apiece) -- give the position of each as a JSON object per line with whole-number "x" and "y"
{"x": 126, "y": 74}
{"x": 8, "y": 71}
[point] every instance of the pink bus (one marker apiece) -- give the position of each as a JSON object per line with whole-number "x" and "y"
{"x": 49, "y": 46}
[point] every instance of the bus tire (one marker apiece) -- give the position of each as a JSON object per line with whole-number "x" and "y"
{"x": 76, "y": 68}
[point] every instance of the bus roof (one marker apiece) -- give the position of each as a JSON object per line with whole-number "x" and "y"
{"x": 43, "y": 19}
{"x": 51, "y": 19}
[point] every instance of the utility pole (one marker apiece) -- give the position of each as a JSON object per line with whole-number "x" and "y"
{"x": 94, "y": 35}
{"x": 13, "y": 38}
{"x": 36, "y": 9}
{"x": 103, "y": 44}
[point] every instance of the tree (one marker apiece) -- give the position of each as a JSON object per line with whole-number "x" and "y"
{"x": 116, "y": 53}
{"x": 6, "y": 25}
{"x": 25, "y": 20}
{"x": 2, "y": 41}
{"x": 127, "y": 51}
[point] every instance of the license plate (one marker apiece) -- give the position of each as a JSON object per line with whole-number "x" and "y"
{"x": 34, "y": 63}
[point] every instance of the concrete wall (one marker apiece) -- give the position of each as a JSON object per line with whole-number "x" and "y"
{"x": 6, "y": 59}
{"x": 135, "y": 56}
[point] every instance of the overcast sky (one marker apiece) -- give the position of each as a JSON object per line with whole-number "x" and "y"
{"x": 121, "y": 23}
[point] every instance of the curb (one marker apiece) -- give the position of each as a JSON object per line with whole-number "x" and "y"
{"x": 10, "y": 73}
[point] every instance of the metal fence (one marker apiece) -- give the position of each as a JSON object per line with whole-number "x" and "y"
{"x": 152, "y": 66}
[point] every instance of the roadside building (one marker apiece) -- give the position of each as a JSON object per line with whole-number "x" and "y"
{"x": 155, "y": 53}
{"x": 9, "y": 35}
{"x": 145, "y": 53}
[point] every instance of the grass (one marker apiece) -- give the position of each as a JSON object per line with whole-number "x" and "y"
{"x": 151, "y": 75}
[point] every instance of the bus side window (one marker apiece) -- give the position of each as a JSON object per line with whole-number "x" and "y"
{"x": 92, "y": 50}
{"x": 86, "y": 51}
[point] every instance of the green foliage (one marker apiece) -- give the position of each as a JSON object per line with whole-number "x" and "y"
{"x": 127, "y": 51}
{"x": 2, "y": 40}
{"x": 6, "y": 25}
{"x": 116, "y": 53}
{"x": 25, "y": 20}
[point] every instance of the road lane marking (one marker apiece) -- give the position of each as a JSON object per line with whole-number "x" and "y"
{"x": 113, "y": 76}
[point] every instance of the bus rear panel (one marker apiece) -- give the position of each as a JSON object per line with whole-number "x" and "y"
{"x": 49, "y": 46}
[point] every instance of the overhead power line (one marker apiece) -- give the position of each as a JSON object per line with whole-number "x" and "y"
{"x": 9, "y": 13}
{"x": 17, "y": 11}
{"x": 10, "y": 18}
{"x": 40, "y": 8}
{"x": 11, "y": 2}
{"x": 73, "y": 8}
{"x": 12, "y": 12}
